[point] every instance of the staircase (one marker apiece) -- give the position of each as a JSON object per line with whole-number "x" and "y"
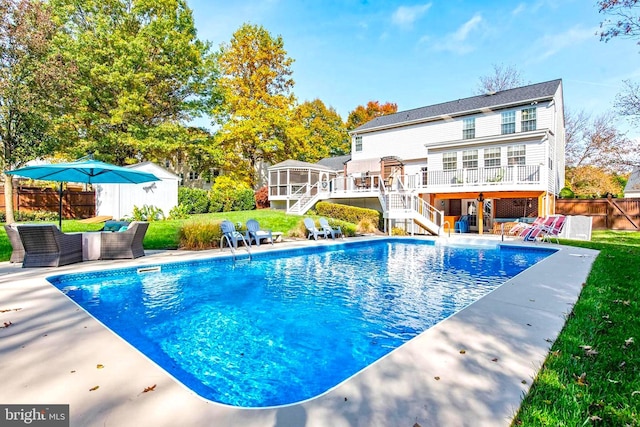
{"x": 308, "y": 198}
{"x": 399, "y": 205}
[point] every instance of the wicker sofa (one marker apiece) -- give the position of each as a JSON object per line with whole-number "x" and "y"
{"x": 46, "y": 246}
{"x": 14, "y": 238}
{"x": 124, "y": 244}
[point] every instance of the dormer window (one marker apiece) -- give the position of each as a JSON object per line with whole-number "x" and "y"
{"x": 469, "y": 128}
{"x": 529, "y": 119}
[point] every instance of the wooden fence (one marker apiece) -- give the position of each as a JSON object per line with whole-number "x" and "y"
{"x": 612, "y": 214}
{"x": 76, "y": 204}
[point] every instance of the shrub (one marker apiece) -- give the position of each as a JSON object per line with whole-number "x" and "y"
{"x": 228, "y": 195}
{"x": 179, "y": 212}
{"x": 567, "y": 193}
{"x": 348, "y": 229}
{"x": 397, "y": 231}
{"x": 348, "y": 213}
{"x": 365, "y": 225}
{"x": 197, "y": 235}
{"x": 22, "y": 216}
{"x": 262, "y": 198}
{"x": 147, "y": 213}
{"x": 195, "y": 200}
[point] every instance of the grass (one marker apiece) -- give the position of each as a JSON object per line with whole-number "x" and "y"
{"x": 592, "y": 374}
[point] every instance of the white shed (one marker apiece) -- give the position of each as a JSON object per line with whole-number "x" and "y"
{"x": 118, "y": 200}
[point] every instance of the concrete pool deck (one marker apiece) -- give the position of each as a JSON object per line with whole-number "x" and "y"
{"x": 472, "y": 369}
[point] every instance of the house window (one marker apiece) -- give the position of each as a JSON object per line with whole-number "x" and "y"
{"x": 193, "y": 175}
{"x": 492, "y": 157}
{"x": 529, "y": 119}
{"x": 358, "y": 143}
{"x": 470, "y": 159}
{"x": 516, "y": 155}
{"x": 450, "y": 161}
{"x": 469, "y": 128}
{"x": 508, "y": 122}
{"x": 423, "y": 172}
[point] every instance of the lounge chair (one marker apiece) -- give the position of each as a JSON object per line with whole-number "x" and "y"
{"x": 554, "y": 231}
{"x": 125, "y": 244}
{"x": 255, "y": 234}
{"x": 46, "y": 246}
{"x": 520, "y": 227}
{"x": 14, "y": 238}
{"x": 230, "y": 235}
{"x": 337, "y": 231}
{"x": 312, "y": 230}
{"x": 534, "y": 231}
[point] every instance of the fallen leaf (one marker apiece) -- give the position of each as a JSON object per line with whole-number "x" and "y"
{"x": 7, "y": 324}
{"x": 582, "y": 379}
{"x": 147, "y": 389}
{"x": 585, "y": 347}
{"x": 463, "y": 351}
{"x": 548, "y": 402}
{"x": 436, "y": 378}
{"x": 94, "y": 388}
{"x": 99, "y": 366}
{"x": 613, "y": 381}
{"x": 495, "y": 359}
{"x": 622, "y": 364}
{"x": 548, "y": 340}
{"x": 10, "y": 309}
{"x": 595, "y": 418}
{"x": 523, "y": 381}
{"x": 628, "y": 342}
{"x": 635, "y": 392}
{"x": 73, "y": 372}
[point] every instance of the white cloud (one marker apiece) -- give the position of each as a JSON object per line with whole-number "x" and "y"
{"x": 456, "y": 42}
{"x": 549, "y": 45}
{"x": 519, "y": 9}
{"x": 405, "y": 16}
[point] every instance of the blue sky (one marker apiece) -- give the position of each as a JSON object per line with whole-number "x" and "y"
{"x": 421, "y": 53}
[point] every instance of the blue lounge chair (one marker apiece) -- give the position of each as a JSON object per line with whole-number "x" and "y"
{"x": 255, "y": 234}
{"x": 312, "y": 230}
{"x": 337, "y": 231}
{"x": 230, "y": 235}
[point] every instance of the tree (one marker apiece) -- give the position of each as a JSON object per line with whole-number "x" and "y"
{"x": 625, "y": 23}
{"x": 324, "y": 133}
{"x": 362, "y": 115}
{"x": 255, "y": 119}
{"x": 597, "y": 142}
{"x": 503, "y": 78}
{"x": 34, "y": 87}
{"x": 597, "y": 153}
{"x": 143, "y": 74}
{"x": 628, "y": 101}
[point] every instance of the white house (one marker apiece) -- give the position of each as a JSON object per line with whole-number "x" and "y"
{"x": 118, "y": 200}
{"x": 632, "y": 189}
{"x": 502, "y": 152}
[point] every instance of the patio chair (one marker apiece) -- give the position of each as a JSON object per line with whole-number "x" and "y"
{"x": 46, "y": 246}
{"x": 337, "y": 231}
{"x": 231, "y": 235}
{"x": 312, "y": 230}
{"x": 534, "y": 231}
{"x": 554, "y": 231}
{"x": 255, "y": 234}
{"x": 14, "y": 238}
{"x": 125, "y": 244}
{"x": 461, "y": 225}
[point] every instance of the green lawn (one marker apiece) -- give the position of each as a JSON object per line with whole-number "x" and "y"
{"x": 592, "y": 375}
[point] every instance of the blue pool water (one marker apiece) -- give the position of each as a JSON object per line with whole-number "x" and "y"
{"x": 290, "y": 325}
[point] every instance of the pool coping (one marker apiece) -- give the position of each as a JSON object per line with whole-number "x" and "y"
{"x": 471, "y": 369}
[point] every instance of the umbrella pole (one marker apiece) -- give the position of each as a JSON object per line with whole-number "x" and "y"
{"x": 60, "y": 209}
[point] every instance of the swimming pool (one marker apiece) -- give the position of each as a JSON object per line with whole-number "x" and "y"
{"x": 290, "y": 324}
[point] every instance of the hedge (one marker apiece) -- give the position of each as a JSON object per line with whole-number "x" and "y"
{"x": 350, "y": 214}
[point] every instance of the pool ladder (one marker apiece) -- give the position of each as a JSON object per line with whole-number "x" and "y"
{"x": 233, "y": 249}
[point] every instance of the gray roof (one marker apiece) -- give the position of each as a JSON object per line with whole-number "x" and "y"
{"x": 503, "y": 99}
{"x": 335, "y": 163}
{"x": 297, "y": 164}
